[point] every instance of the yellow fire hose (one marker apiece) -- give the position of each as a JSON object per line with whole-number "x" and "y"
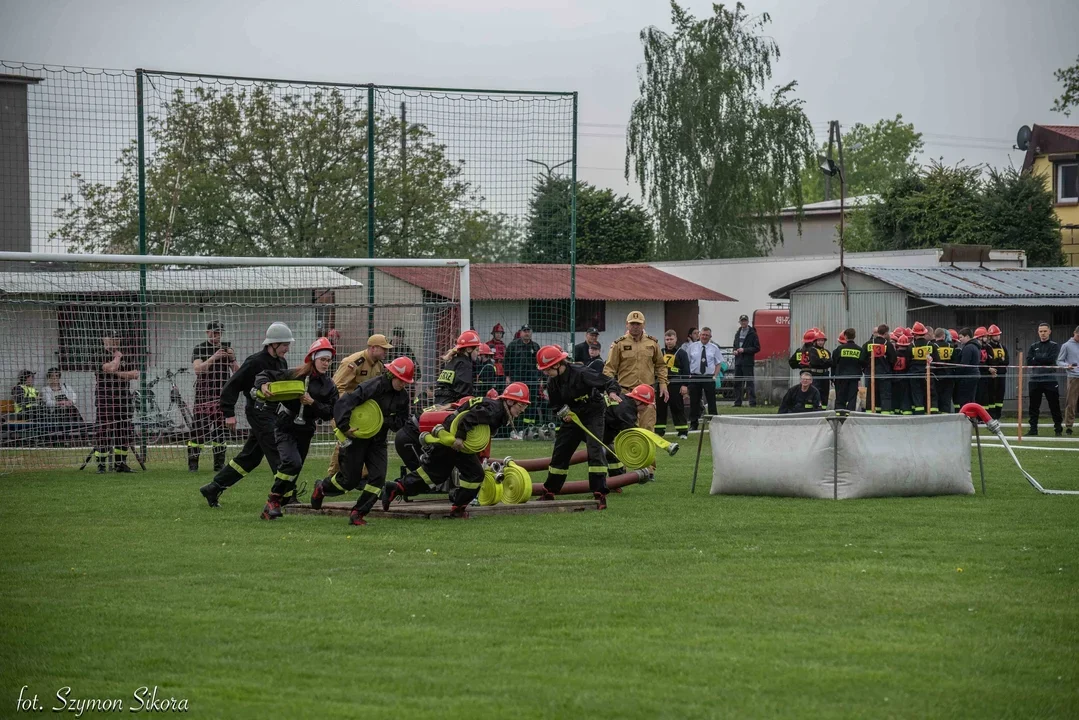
{"x": 491, "y": 492}
{"x": 366, "y": 420}
{"x": 475, "y": 441}
{"x": 516, "y": 484}
{"x": 636, "y": 447}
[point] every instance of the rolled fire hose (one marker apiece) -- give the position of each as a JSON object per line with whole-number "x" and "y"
{"x": 976, "y": 412}
{"x": 491, "y": 491}
{"x": 636, "y": 447}
{"x": 282, "y": 391}
{"x": 365, "y": 420}
{"x": 516, "y": 484}
{"x": 475, "y": 441}
{"x": 581, "y": 486}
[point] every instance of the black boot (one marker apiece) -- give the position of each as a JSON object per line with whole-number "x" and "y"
{"x": 212, "y": 492}
{"x": 192, "y": 459}
{"x": 601, "y": 500}
{"x": 1033, "y": 431}
{"x": 458, "y": 512}
{"x": 120, "y": 464}
{"x": 317, "y": 494}
{"x": 356, "y": 517}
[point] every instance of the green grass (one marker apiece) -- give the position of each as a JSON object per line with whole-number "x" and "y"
{"x": 667, "y": 605}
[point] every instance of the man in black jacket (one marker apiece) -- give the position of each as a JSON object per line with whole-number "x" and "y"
{"x": 803, "y": 397}
{"x": 520, "y": 366}
{"x": 969, "y": 372}
{"x": 677, "y": 362}
{"x": 1043, "y": 379}
{"x": 880, "y": 356}
{"x": 260, "y": 439}
{"x": 580, "y": 350}
{"x": 746, "y": 346}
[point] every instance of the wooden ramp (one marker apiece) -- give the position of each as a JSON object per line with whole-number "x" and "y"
{"x": 440, "y": 508}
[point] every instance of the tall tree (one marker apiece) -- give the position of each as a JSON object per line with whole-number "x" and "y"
{"x": 257, "y": 172}
{"x": 941, "y": 204}
{"x": 1019, "y": 214}
{"x": 716, "y": 158}
{"x": 610, "y": 228}
{"x": 873, "y": 156}
{"x": 1069, "y": 97}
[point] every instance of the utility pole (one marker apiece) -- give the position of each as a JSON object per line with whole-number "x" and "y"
{"x": 404, "y": 177}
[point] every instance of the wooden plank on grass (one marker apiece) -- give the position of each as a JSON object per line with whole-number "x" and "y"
{"x": 437, "y": 509}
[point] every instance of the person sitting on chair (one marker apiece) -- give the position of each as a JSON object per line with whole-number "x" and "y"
{"x": 62, "y": 412}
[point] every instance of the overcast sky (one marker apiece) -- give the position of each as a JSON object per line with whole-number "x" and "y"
{"x": 967, "y": 73}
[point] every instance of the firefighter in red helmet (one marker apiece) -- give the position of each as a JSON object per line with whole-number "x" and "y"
{"x": 997, "y": 365}
{"x": 921, "y": 352}
{"x": 981, "y": 337}
{"x": 441, "y": 460}
{"x": 584, "y": 393}
{"x": 455, "y": 380}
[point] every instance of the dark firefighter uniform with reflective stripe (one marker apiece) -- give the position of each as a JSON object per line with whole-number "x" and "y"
{"x": 27, "y": 402}
{"x": 901, "y": 381}
{"x": 921, "y": 352}
{"x": 442, "y": 460}
{"x": 677, "y": 362}
{"x": 617, "y": 417}
{"x": 798, "y": 400}
{"x": 115, "y": 407}
{"x": 848, "y": 362}
{"x": 817, "y": 361}
{"x": 260, "y": 439}
{"x": 209, "y": 425}
{"x": 366, "y": 452}
{"x": 583, "y": 391}
{"x": 455, "y": 381}
{"x": 997, "y": 358}
{"x": 944, "y": 355}
{"x": 295, "y": 424}
{"x": 880, "y": 358}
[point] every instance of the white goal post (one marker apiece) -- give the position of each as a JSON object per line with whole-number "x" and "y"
{"x": 57, "y": 310}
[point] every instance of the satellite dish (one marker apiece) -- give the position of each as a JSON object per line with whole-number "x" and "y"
{"x": 1022, "y": 138}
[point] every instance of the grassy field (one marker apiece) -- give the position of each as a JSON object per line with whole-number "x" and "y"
{"x": 667, "y": 605}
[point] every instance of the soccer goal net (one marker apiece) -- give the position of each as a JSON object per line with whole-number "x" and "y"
{"x": 100, "y": 351}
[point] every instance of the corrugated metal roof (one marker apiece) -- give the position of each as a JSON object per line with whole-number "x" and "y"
{"x": 966, "y": 287}
{"x": 200, "y": 280}
{"x": 493, "y": 282}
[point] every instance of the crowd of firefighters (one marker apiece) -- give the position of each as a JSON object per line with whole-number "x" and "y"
{"x": 920, "y": 370}
{"x": 591, "y": 402}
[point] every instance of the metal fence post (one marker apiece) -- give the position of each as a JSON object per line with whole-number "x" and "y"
{"x": 144, "y": 330}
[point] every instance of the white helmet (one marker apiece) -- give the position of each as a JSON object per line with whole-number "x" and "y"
{"x": 278, "y": 332}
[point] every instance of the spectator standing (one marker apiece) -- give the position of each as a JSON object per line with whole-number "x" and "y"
{"x": 520, "y": 366}
{"x": 1069, "y": 359}
{"x": 637, "y": 359}
{"x": 580, "y": 350}
{"x": 1042, "y": 357}
{"x": 213, "y": 363}
{"x": 705, "y": 359}
{"x": 746, "y": 346}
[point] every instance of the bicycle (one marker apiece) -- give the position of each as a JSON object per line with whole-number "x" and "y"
{"x": 160, "y": 425}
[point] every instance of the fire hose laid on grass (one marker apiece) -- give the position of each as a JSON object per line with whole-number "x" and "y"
{"x": 977, "y": 413}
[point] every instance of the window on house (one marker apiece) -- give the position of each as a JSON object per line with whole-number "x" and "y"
{"x": 1068, "y": 182}
{"x": 553, "y": 315}
{"x": 83, "y": 322}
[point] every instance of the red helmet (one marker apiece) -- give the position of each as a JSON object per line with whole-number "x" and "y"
{"x": 320, "y": 344}
{"x": 842, "y": 338}
{"x": 993, "y": 330}
{"x": 809, "y": 336}
{"x": 491, "y": 394}
{"x": 485, "y": 349}
{"x": 918, "y": 329}
{"x": 644, "y": 393}
{"x": 498, "y": 328}
{"x": 549, "y": 356}
{"x": 903, "y": 340}
{"x": 821, "y": 335}
{"x": 468, "y": 339}
{"x": 980, "y": 333}
{"x": 954, "y": 334}
{"x": 517, "y": 392}
{"x": 403, "y": 369}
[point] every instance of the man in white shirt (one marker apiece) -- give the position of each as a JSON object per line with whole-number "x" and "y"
{"x": 704, "y": 365}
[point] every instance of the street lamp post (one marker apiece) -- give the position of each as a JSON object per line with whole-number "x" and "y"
{"x": 550, "y": 168}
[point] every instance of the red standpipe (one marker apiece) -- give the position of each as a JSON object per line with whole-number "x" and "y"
{"x": 581, "y": 486}
{"x": 534, "y": 464}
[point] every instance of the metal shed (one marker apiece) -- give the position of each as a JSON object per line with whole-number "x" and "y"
{"x": 1016, "y": 300}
